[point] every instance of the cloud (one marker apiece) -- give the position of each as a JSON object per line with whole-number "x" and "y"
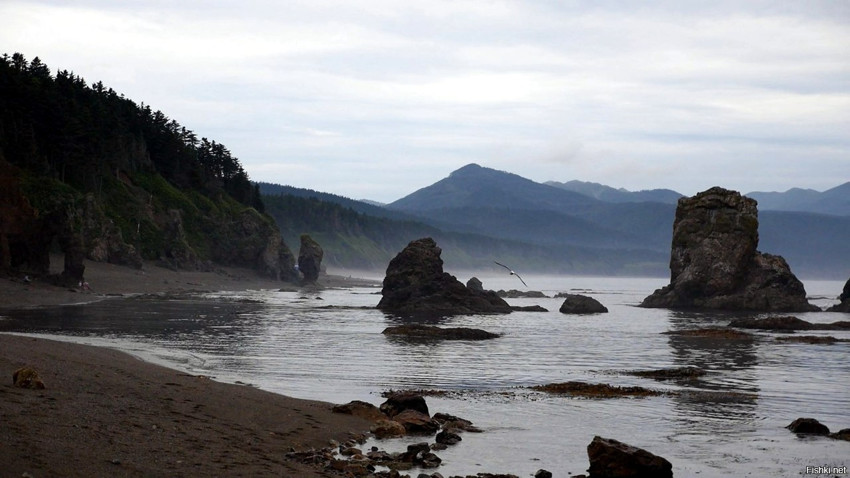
{"x": 632, "y": 94}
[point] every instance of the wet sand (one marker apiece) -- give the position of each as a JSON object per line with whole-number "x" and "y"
{"x": 107, "y": 280}
{"x": 107, "y": 413}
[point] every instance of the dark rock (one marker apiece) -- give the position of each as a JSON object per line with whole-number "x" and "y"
{"x": 844, "y": 298}
{"x": 415, "y": 284}
{"x": 611, "y": 458}
{"x": 434, "y": 332}
{"x": 475, "y": 284}
{"x": 387, "y": 429}
{"x": 517, "y": 294}
{"x": 712, "y": 333}
{"x": 448, "y": 438}
{"x": 784, "y": 323}
{"x": 360, "y": 409}
{"x": 808, "y": 426}
{"x": 543, "y": 474}
{"x": 843, "y": 434}
{"x": 811, "y": 339}
{"x": 715, "y": 264}
{"x": 310, "y": 259}
{"x": 27, "y": 377}
{"x": 401, "y": 401}
{"x": 528, "y": 308}
{"x": 416, "y": 423}
{"x": 581, "y": 304}
{"x": 594, "y": 390}
{"x": 670, "y": 373}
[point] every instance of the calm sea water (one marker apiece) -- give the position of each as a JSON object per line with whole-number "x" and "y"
{"x": 328, "y": 346}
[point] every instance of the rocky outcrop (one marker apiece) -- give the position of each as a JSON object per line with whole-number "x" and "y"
{"x": 844, "y": 298}
{"x": 715, "y": 264}
{"x": 416, "y": 331}
{"x": 610, "y": 458}
{"x": 415, "y": 284}
{"x": 581, "y": 304}
{"x": 475, "y": 284}
{"x": 310, "y": 259}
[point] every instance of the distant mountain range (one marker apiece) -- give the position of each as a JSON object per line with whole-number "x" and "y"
{"x": 479, "y": 214}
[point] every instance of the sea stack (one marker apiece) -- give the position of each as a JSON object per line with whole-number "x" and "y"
{"x": 715, "y": 264}
{"x": 416, "y": 284}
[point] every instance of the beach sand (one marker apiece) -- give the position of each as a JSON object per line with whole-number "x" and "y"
{"x": 107, "y": 413}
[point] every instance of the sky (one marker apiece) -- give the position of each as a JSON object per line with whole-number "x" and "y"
{"x": 375, "y": 99}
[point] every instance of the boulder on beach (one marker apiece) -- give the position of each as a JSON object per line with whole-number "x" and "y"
{"x": 581, "y": 304}
{"x": 360, "y": 409}
{"x": 610, "y": 458}
{"x": 27, "y": 377}
{"x": 401, "y": 401}
{"x": 715, "y": 264}
{"x": 415, "y": 284}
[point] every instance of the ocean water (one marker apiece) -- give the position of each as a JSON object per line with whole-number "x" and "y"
{"x": 327, "y": 345}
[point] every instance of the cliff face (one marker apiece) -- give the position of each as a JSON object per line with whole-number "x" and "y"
{"x": 715, "y": 264}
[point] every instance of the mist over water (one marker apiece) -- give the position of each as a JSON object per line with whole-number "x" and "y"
{"x": 328, "y": 345}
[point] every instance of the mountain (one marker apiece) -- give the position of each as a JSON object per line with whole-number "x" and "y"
{"x": 609, "y": 194}
{"x": 835, "y": 201}
{"x": 503, "y": 205}
{"x": 475, "y": 186}
{"x": 356, "y": 240}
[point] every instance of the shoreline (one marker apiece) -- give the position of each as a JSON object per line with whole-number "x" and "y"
{"x": 110, "y": 281}
{"x": 106, "y": 412}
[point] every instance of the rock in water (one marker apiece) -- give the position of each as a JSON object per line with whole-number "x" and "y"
{"x": 808, "y": 426}
{"x": 844, "y": 305}
{"x": 415, "y": 284}
{"x": 475, "y": 284}
{"x": 310, "y": 259}
{"x": 611, "y": 458}
{"x": 715, "y": 264}
{"x": 581, "y": 304}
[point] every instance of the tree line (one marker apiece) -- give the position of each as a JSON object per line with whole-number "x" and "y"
{"x": 61, "y": 127}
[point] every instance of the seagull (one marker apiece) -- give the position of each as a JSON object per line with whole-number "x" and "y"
{"x": 512, "y": 273}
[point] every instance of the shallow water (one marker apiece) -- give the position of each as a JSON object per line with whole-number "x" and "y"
{"x": 328, "y": 345}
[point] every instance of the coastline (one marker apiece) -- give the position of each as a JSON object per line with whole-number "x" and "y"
{"x": 106, "y": 413}
{"x": 109, "y": 280}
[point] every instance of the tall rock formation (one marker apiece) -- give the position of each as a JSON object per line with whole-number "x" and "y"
{"x": 415, "y": 284}
{"x": 715, "y": 264}
{"x": 310, "y": 259}
{"x": 844, "y": 305}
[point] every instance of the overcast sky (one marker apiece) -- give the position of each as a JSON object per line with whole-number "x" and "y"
{"x": 375, "y": 99}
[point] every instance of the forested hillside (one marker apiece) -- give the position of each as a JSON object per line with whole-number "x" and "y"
{"x": 90, "y": 172}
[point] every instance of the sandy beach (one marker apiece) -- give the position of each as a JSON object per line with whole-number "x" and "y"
{"x": 106, "y": 413}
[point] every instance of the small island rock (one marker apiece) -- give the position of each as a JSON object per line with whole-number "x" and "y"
{"x": 415, "y": 284}
{"x": 310, "y": 259}
{"x": 581, "y": 304}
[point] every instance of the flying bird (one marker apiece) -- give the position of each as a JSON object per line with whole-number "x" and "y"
{"x": 512, "y": 273}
